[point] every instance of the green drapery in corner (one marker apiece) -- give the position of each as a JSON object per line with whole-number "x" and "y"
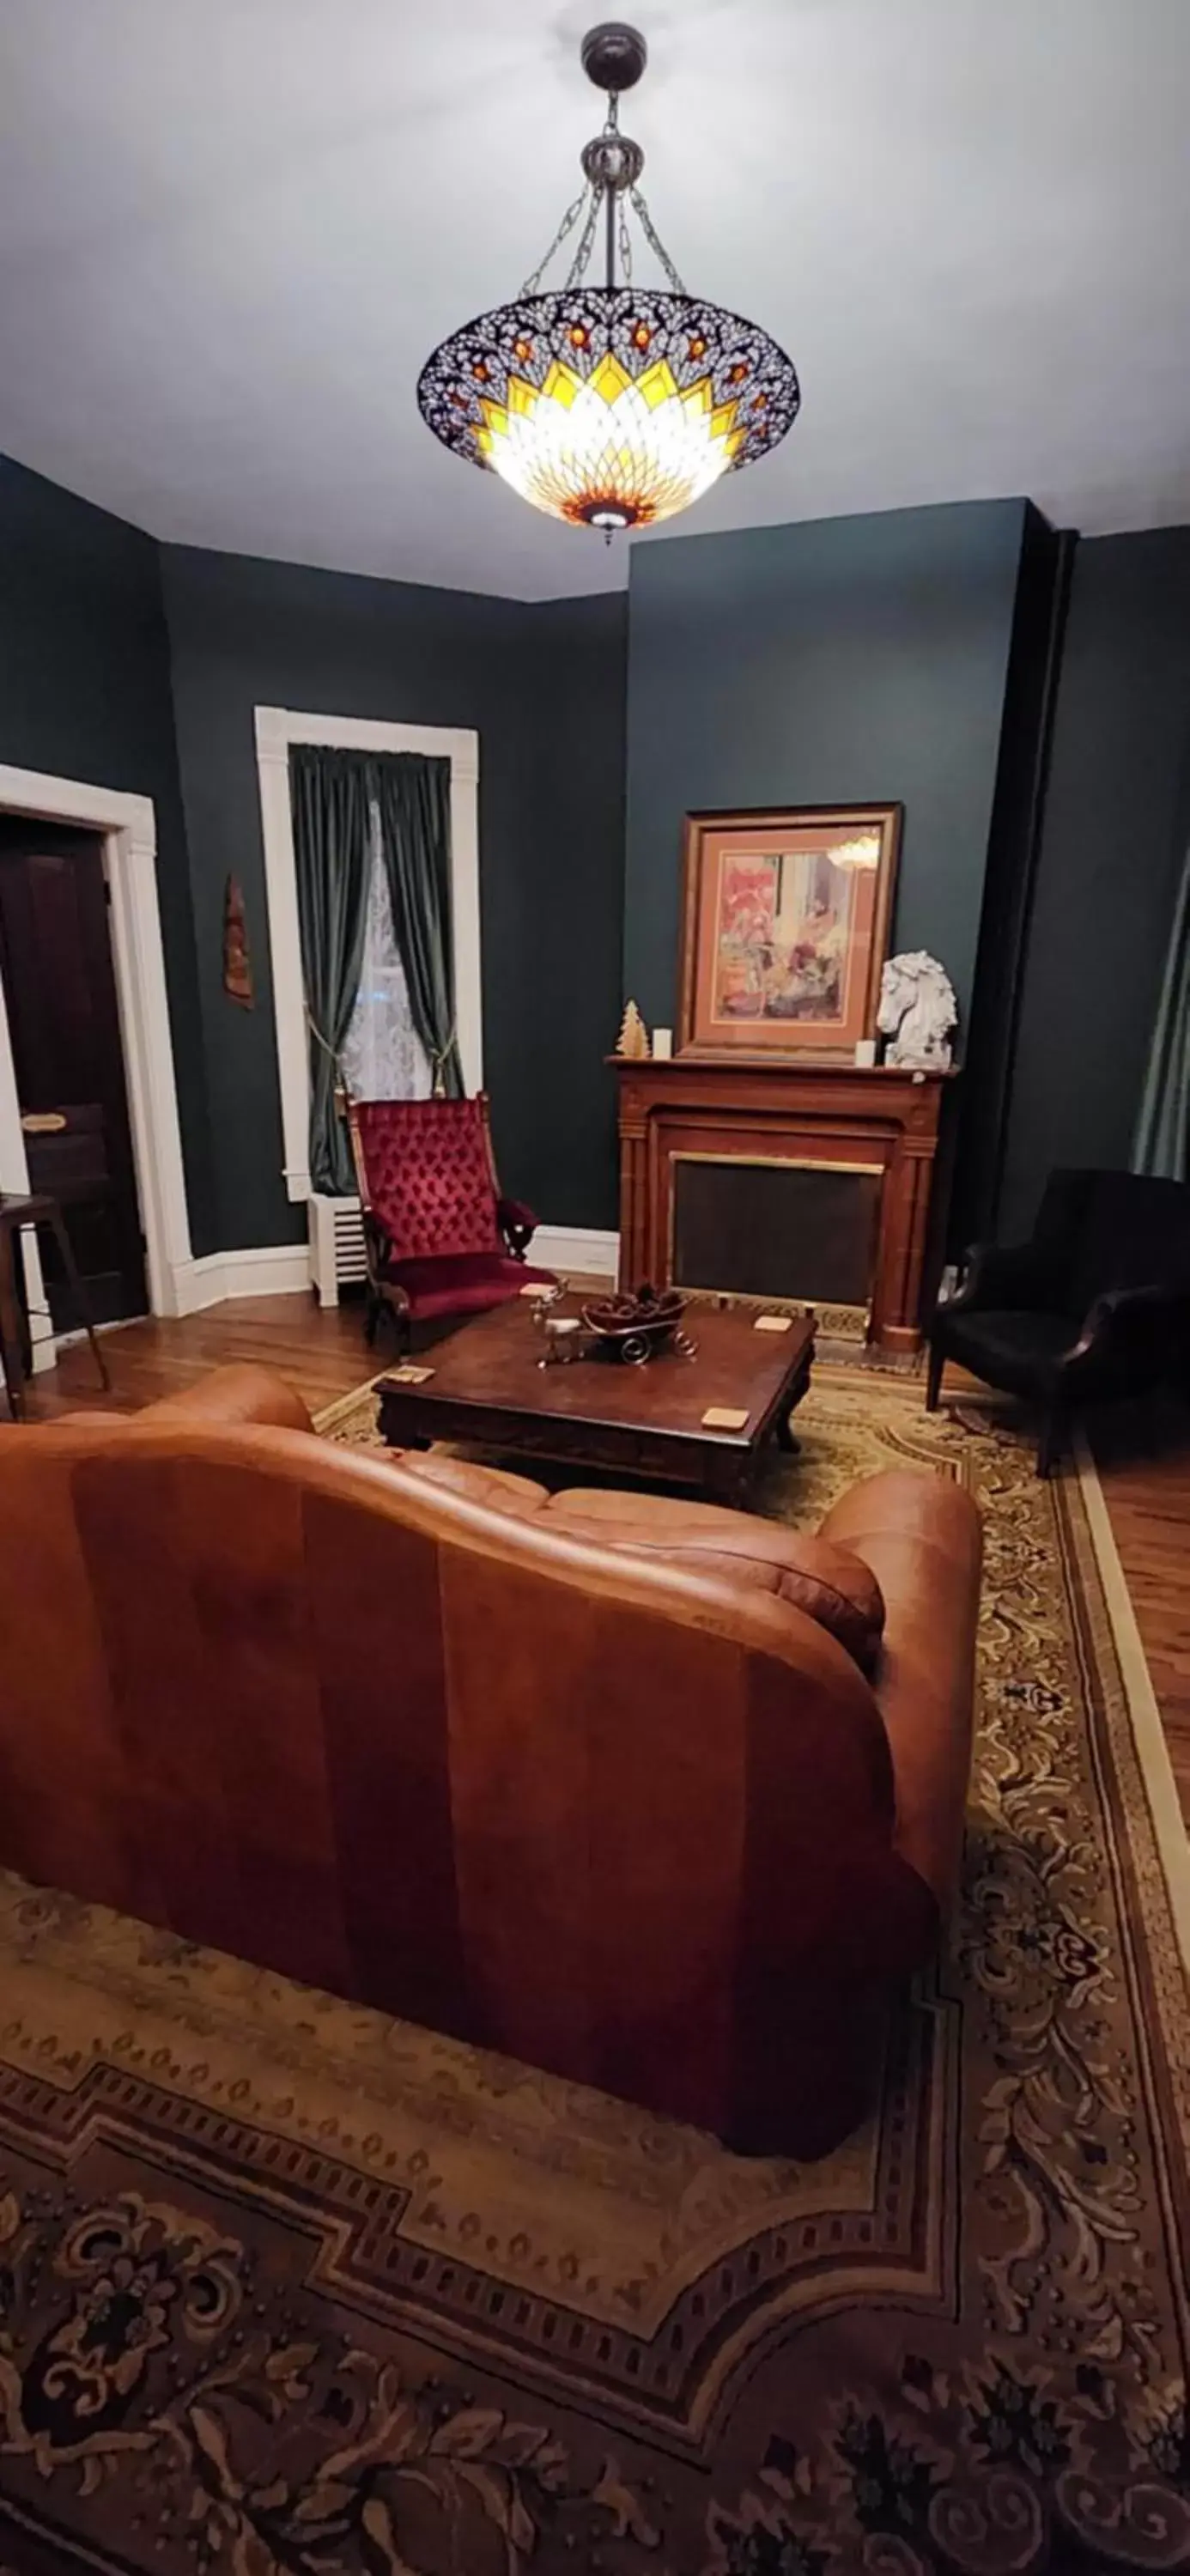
{"x": 1162, "y": 1142}
{"x": 330, "y": 799}
{"x": 413, "y": 794}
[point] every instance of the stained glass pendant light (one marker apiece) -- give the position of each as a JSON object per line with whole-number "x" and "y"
{"x": 611, "y": 405}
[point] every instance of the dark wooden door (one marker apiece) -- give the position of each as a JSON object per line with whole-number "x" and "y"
{"x": 63, "y": 1019}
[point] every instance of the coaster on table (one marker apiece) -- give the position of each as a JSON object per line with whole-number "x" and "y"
{"x": 725, "y": 1417}
{"x": 408, "y": 1375}
{"x": 532, "y": 1288}
{"x": 772, "y": 1323}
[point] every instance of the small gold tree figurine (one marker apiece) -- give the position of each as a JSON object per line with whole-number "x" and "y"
{"x": 634, "y": 1036}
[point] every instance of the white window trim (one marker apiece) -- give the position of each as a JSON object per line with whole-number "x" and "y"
{"x": 277, "y": 729}
{"x": 128, "y": 826}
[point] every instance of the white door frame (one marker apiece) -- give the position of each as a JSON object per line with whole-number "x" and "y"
{"x": 128, "y": 828}
{"x": 277, "y": 728}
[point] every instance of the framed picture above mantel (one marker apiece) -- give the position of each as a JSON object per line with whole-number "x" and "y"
{"x": 785, "y": 925}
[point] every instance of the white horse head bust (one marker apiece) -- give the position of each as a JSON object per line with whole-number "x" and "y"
{"x": 917, "y": 1010}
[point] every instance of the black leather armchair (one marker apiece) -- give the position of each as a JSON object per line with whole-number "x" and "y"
{"x": 1096, "y": 1304}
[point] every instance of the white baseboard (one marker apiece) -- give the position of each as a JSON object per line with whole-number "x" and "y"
{"x": 269, "y": 1270}
{"x": 281, "y": 1269}
{"x": 43, "y": 1345}
{"x": 576, "y": 1247}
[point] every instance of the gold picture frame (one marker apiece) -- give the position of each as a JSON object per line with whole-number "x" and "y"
{"x": 785, "y": 926}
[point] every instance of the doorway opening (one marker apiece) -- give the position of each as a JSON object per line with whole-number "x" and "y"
{"x": 59, "y": 982}
{"x": 127, "y": 828}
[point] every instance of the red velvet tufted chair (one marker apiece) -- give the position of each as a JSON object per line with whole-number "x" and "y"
{"x": 440, "y": 1239}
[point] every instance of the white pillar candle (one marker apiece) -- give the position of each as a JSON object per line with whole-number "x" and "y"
{"x": 865, "y": 1051}
{"x": 663, "y": 1042}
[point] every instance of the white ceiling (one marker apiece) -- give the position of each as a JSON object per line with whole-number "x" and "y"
{"x": 230, "y": 230}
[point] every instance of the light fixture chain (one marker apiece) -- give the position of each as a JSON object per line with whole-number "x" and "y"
{"x": 625, "y": 245}
{"x": 569, "y": 220}
{"x": 578, "y": 265}
{"x": 654, "y": 240}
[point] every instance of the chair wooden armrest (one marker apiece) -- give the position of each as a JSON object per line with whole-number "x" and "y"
{"x": 518, "y": 1225}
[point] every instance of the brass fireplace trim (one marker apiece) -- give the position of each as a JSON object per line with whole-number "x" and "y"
{"x": 782, "y": 1162}
{"x": 862, "y": 1315}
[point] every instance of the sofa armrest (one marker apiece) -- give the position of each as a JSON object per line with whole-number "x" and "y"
{"x": 923, "y": 1539}
{"x": 241, "y": 1392}
{"x": 1017, "y": 1276}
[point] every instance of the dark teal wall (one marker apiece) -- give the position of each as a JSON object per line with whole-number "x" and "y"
{"x": 1117, "y": 826}
{"x": 847, "y": 659}
{"x": 1013, "y": 862}
{"x": 555, "y": 919}
{"x": 85, "y": 693}
{"x": 543, "y": 687}
{"x": 841, "y": 660}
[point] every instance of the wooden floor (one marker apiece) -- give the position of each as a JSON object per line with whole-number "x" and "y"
{"x": 1143, "y": 1456}
{"x": 1143, "y": 1452}
{"x": 320, "y": 1350}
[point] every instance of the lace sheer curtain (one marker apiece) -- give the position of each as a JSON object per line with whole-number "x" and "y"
{"x": 382, "y": 1056}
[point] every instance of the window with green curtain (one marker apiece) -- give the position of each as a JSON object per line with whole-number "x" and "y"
{"x": 339, "y": 799}
{"x": 332, "y": 855}
{"x": 413, "y": 792}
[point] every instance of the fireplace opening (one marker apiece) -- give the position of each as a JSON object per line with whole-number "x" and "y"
{"x": 767, "y": 1227}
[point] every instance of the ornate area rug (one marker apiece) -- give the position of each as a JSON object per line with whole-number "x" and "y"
{"x": 287, "y": 2289}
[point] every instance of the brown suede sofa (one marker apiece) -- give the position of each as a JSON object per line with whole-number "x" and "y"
{"x": 659, "y": 1796}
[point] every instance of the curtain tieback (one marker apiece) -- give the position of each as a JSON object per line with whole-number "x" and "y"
{"x": 324, "y": 1043}
{"x": 438, "y": 1060}
{"x": 342, "y": 1095}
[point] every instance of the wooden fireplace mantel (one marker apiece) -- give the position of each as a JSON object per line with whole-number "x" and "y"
{"x": 832, "y": 1113}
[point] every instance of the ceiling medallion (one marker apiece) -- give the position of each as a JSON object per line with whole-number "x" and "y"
{"x": 610, "y": 405}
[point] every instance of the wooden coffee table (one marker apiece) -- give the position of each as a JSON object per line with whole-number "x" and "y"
{"x": 485, "y": 1385}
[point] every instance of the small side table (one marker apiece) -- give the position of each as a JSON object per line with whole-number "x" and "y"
{"x": 38, "y": 1208}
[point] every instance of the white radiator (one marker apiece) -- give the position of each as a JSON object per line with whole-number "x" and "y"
{"x": 336, "y": 1246}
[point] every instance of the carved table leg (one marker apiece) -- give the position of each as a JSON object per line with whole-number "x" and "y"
{"x": 787, "y": 1438}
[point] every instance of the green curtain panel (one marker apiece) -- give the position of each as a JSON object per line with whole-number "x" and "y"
{"x": 414, "y": 798}
{"x": 1162, "y": 1141}
{"x": 330, "y": 795}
